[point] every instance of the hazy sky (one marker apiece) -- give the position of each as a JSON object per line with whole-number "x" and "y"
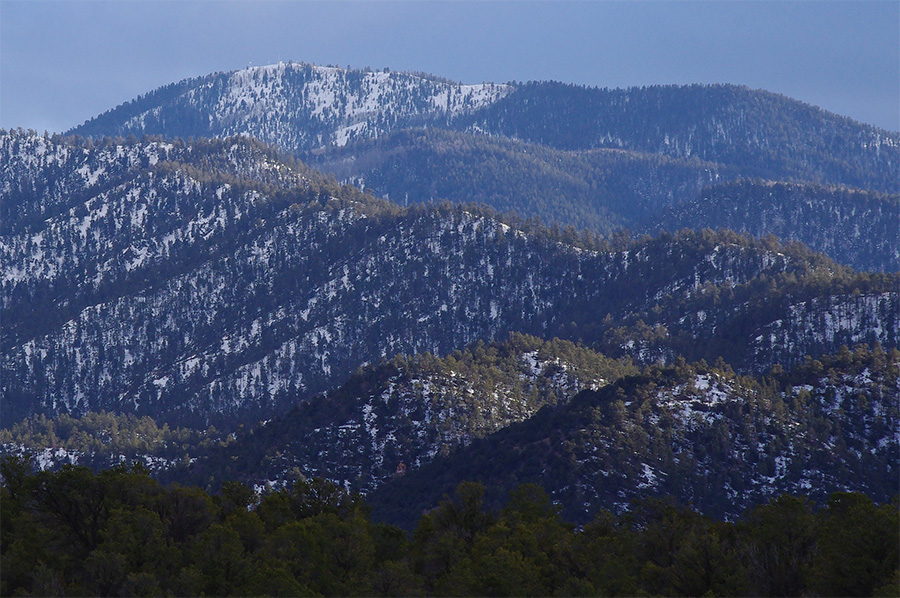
{"x": 62, "y": 62}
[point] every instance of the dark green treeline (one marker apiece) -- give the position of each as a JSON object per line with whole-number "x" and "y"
{"x": 121, "y": 533}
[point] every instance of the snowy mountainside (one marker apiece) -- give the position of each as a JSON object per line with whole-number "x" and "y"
{"x": 404, "y": 412}
{"x": 511, "y": 412}
{"x": 302, "y": 107}
{"x": 548, "y": 150}
{"x": 210, "y": 288}
{"x": 845, "y": 320}
{"x": 298, "y": 107}
{"x": 78, "y": 220}
{"x": 710, "y": 439}
{"x": 608, "y": 189}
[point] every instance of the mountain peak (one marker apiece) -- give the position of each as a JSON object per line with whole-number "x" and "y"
{"x": 297, "y": 106}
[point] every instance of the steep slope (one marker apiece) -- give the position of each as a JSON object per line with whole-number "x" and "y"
{"x": 83, "y": 223}
{"x": 194, "y": 290}
{"x": 404, "y": 412}
{"x": 592, "y": 158}
{"x": 298, "y": 107}
{"x": 706, "y": 437}
{"x": 301, "y": 107}
{"x": 853, "y": 227}
{"x": 760, "y": 133}
{"x": 602, "y": 190}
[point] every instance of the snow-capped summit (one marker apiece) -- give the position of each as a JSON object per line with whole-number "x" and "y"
{"x": 297, "y": 106}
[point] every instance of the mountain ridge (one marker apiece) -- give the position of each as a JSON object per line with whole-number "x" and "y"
{"x": 852, "y": 226}
{"x": 713, "y": 440}
{"x": 315, "y": 101}
{"x": 728, "y": 124}
{"x": 266, "y": 293}
{"x": 597, "y": 434}
{"x": 180, "y": 262}
{"x": 546, "y": 149}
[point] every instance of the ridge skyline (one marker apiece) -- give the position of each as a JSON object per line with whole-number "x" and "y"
{"x": 279, "y": 65}
{"x": 843, "y": 57}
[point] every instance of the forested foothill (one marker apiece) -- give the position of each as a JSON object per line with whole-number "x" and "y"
{"x": 120, "y": 533}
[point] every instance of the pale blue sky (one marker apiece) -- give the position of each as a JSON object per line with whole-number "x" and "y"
{"x": 62, "y": 62}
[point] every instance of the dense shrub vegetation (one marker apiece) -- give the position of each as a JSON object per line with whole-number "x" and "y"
{"x": 119, "y": 532}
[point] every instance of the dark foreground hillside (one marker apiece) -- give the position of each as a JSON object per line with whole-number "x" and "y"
{"x": 76, "y": 533}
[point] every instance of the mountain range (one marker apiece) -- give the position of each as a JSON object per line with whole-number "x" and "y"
{"x": 343, "y": 271}
{"x": 592, "y": 158}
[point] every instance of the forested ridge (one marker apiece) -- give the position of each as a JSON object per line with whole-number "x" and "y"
{"x": 523, "y": 339}
{"x": 119, "y": 532}
{"x": 222, "y": 283}
{"x": 851, "y": 226}
{"x": 602, "y": 190}
{"x": 596, "y": 433}
{"x": 604, "y": 159}
{"x": 765, "y": 135}
{"x": 609, "y": 190}
{"x": 701, "y": 434}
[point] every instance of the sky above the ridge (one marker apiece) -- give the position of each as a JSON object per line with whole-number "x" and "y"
{"x": 63, "y": 62}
